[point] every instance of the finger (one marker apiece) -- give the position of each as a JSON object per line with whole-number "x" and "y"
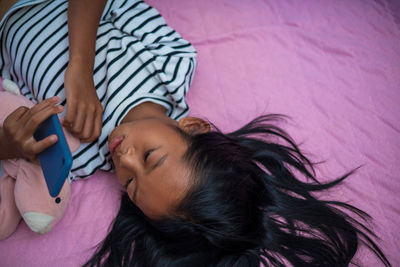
{"x": 77, "y": 127}
{"x": 52, "y": 101}
{"x": 87, "y": 132}
{"x": 39, "y": 146}
{"x": 38, "y": 108}
{"x": 17, "y": 114}
{"x": 36, "y": 119}
{"x": 71, "y": 114}
{"x": 98, "y": 123}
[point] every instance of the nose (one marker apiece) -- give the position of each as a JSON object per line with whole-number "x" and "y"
{"x": 128, "y": 158}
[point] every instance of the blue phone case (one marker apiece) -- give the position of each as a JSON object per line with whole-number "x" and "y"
{"x": 56, "y": 160}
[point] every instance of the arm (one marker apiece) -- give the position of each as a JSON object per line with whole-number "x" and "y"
{"x": 84, "y": 110}
{"x": 83, "y": 21}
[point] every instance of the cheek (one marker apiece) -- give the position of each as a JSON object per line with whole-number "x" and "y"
{"x": 151, "y": 205}
{"x": 154, "y": 197}
{"x": 122, "y": 176}
{"x": 160, "y": 194}
{"x": 119, "y": 177}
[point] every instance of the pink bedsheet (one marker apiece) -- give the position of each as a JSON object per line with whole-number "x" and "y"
{"x": 333, "y": 66}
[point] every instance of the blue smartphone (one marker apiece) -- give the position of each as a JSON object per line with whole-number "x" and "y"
{"x": 56, "y": 160}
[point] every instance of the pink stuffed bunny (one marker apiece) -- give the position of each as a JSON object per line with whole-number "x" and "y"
{"x": 23, "y": 190}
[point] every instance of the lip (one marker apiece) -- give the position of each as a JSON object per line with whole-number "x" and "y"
{"x": 114, "y": 143}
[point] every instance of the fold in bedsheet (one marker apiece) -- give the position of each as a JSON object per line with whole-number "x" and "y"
{"x": 332, "y": 66}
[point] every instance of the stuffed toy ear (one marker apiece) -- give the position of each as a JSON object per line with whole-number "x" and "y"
{"x": 10, "y": 87}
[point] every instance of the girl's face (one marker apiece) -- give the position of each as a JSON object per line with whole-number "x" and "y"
{"x": 147, "y": 155}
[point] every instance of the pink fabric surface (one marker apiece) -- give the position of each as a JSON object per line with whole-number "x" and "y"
{"x": 332, "y": 66}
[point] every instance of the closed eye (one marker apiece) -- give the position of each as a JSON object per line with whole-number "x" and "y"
{"x": 147, "y": 154}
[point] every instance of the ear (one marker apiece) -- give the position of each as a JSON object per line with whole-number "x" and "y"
{"x": 192, "y": 125}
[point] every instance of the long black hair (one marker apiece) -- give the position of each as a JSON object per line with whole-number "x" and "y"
{"x": 252, "y": 201}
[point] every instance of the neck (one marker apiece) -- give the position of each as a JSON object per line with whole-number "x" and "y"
{"x": 145, "y": 110}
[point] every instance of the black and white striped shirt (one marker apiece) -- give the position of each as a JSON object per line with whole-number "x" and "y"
{"x": 138, "y": 59}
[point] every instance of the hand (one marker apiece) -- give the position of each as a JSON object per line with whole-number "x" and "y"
{"x": 19, "y": 126}
{"x": 84, "y": 110}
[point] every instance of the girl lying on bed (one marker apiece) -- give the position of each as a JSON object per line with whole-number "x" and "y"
{"x": 193, "y": 196}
